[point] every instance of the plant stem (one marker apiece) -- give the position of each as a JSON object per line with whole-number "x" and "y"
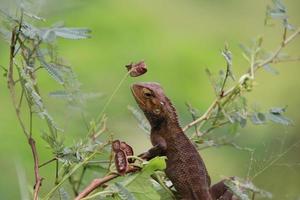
{"x": 109, "y": 101}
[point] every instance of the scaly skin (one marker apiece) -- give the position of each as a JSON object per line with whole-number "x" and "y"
{"x": 185, "y": 168}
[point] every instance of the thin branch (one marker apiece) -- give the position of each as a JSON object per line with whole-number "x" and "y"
{"x": 276, "y": 53}
{"x": 96, "y": 183}
{"x": 205, "y": 116}
{"x": 286, "y": 60}
{"x": 47, "y": 162}
{"x": 81, "y": 178}
{"x": 73, "y": 183}
{"x": 192, "y": 111}
{"x": 56, "y": 172}
{"x": 100, "y": 115}
{"x": 38, "y": 179}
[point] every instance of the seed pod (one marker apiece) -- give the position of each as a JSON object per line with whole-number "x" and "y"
{"x": 121, "y": 162}
{"x": 116, "y": 145}
{"x": 137, "y": 69}
{"x": 128, "y": 150}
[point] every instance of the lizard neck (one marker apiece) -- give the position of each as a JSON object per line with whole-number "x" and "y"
{"x": 166, "y": 126}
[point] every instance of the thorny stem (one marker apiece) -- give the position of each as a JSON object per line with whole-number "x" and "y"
{"x": 253, "y": 68}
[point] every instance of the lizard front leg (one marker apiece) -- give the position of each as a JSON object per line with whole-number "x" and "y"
{"x": 221, "y": 192}
{"x": 159, "y": 148}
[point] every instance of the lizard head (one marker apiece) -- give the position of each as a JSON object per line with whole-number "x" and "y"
{"x": 151, "y": 99}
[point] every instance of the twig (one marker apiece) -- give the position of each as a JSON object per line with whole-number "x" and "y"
{"x": 81, "y": 177}
{"x": 73, "y": 183}
{"x": 38, "y": 179}
{"x": 100, "y": 115}
{"x": 47, "y": 162}
{"x": 192, "y": 111}
{"x": 100, "y": 181}
{"x": 205, "y": 116}
{"x": 56, "y": 171}
{"x": 276, "y": 53}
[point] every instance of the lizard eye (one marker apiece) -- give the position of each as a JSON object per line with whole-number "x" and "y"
{"x": 147, "y": 93}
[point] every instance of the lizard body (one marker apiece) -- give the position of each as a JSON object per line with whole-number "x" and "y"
{"x": 185, "y": 168}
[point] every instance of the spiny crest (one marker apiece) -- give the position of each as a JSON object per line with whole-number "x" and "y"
{"x": 173, "y": 110}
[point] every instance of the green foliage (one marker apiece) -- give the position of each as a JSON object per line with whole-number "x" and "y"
{"x": 34, "y": 48}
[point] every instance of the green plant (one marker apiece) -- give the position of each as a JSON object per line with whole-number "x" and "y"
{"x": 33, "y": 49}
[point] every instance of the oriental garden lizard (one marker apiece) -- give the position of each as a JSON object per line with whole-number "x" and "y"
{"x": 185, "y": 168}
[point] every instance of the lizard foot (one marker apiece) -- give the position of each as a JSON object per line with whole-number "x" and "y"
{"x": 220, "y": 191}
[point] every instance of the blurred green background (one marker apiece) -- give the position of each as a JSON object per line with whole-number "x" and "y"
{"x": 178, "y": 40}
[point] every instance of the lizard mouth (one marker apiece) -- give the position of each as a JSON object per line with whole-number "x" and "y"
{"x": 135, "y": 95}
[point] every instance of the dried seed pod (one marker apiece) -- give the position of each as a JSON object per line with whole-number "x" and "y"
{"x": 137, "y": 69}
{"x": 121, "y": 162}
{"x": 116, "y": 145}
{"x": 128, "y": 150}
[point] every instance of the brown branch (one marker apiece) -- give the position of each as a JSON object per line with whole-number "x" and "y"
{"x": 96, "y": 183}
{"x": 11, "y": 87}
{"x": 38, "y": 179}
{"x": 205, "y": 116}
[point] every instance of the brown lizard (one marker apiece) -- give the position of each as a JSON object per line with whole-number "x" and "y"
{"x": 185, "y": 168}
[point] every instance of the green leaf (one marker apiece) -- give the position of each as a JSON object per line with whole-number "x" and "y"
{"x": 228, "y": 58}
{"x": 72, "y": 33}
{"x": 258, "y": 118}
{"x": 33, "y": 16}
{"x": 48, "y": 36}
{"x": 139, "y": 184}
{"x": 233, "y": 128}
{"x": 277, "y": 111}
{"x": 52, "y": 70}
{"x": 30, "y": 31}
{"x": 276, "y": 115}
{"x": 60, "y": 94}
{"x": 270, "y": 69}
{"x": 123, "y": 193}
{"x": 279, "y": 119}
